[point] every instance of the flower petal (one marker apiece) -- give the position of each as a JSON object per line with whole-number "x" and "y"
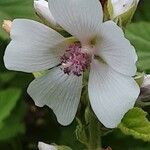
{"x": 58, "y": 91}
{"x": 115, "y": 49}
{"x": 79, "y": 17}
{"x": 34, "y": 47}
{"x": 111, "y": 93}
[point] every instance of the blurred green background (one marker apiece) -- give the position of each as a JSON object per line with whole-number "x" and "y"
{"x": 22, "y": 124}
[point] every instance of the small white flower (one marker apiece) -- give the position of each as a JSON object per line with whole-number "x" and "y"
{"x": 100, "y": 46}
{"x": 43, "y": 146}
{"x": 122, "y": 6}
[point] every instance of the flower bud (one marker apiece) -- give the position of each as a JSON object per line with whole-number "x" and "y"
{"x": 7, "y": 24}
{"x": 43, "y": 11}
{"x": 145, "y": 89}
{"x": 43, "y": 146}
{"x": 122, "y": 6}
{"x": 122, "y": 11}
{"x": 146, "y": 81}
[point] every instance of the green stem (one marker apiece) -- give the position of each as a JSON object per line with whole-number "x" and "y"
{"x": 88, "y": 130}
{"x": 94, "y": 130}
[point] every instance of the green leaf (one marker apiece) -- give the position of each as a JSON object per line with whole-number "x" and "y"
{"x": 139, "y": 35}
{"x": 14, "y": 124}
{"x": 139, "y": 78}
{"x": 11, "y": 129}
{"x": 11, "y": 9}
{"x": 8, "y": 100}
{"x": 6, "y": 76}
{"x": 143, "y": 11}
{"x": 136, "y": 124}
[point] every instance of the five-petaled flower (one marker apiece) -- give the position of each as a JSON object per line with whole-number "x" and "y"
{"x": 99, "y": 46}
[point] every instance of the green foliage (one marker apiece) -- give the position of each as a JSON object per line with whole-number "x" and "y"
{"x": 142, "y": 12}
{"x": 8, "y": 100}
{"x": 119, "y": 141}
{"x": 139, "y": 35}
{"x": 136, "y": 124}
{"x": 5, "y": 77}
{"x": 11, "y": 9}
{"x": 14, "y": 124}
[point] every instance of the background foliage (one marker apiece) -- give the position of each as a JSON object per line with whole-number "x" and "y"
{"x": 22, "y": 124}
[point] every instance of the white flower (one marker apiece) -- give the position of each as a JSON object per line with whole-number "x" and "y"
{"x": 43, "y": 146}
{"x": 122, "y": 6}
{"x": 101, "y": 46}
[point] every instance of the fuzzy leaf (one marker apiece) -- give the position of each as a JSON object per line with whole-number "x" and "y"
{"x": 136, "y": 124}
{"x": 8, "y": 100}
{"x": 14, "y": 124}
{"x": 139, "y": 35}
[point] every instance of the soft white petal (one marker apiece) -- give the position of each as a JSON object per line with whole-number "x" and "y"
{"x": 79, "y": 17}
{"x": 43, "y": 146}
{"x": 42, "y": 9}
{"x": 34, "y": 47}
{"x": 111, "y": 94}
{"x": 115, "y": 49}
{"x": 58, "y": 91}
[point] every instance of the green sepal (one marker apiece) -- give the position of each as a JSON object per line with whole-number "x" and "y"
{"x": 39, "y": 74}
{"x": 139, "y": 78}
{"x": 81, "y": 132}
{"x": 108, "y": 10}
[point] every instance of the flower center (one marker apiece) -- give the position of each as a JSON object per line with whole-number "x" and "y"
{"x": 74, "y": 61}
